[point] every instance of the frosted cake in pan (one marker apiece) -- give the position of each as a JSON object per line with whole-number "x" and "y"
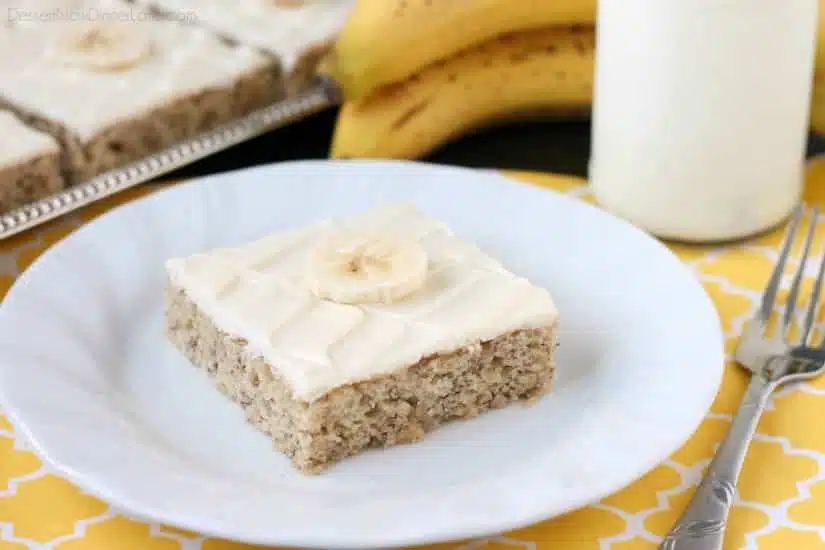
{"x": 119, "y": 85}
{"x": 30, "y": 166}
{"x": 297, "y": 32}
{"x": 362, "y": 332}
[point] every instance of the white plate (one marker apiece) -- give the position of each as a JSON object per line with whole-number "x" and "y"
{"x": 87, "y": 375}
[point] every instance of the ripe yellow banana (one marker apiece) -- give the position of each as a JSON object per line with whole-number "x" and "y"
{"x": 818, "y": 94}
{"x": 507, "y": 77}
{"x": 817, "y": 121}
{"x": 386, "y": 41}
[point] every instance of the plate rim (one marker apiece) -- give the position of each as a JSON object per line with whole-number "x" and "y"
{"x": 151, "y": 512}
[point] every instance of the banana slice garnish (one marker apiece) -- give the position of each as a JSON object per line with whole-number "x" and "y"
{"x": 367, "y": 268}
{"x": 103, "y": 47}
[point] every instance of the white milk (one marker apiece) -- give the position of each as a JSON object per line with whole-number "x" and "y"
{"x": 700, "y": 113}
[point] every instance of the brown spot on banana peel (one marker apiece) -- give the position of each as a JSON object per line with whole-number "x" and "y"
{"x": 409, "y": 114}
{"x": 506, "y": 38}
{"x": 581, "y": 47}
{"x": 434, "y": 67}
{"x": 519, "y": 57}
{"x": 390, "y": 93}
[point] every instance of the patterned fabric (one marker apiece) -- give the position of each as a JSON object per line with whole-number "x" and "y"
{"x": 781, "y": 511}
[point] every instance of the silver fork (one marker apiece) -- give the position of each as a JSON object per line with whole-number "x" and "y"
{"x": 773, "y": 360}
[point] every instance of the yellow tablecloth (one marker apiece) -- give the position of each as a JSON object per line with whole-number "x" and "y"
{"x": 782, "y": 492}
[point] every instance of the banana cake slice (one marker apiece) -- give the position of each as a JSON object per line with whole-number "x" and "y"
{"x": 361, "y": 332}
{"x": 297, "y": 32}
{"x": 30, "y": 163}
{"x": 114, "y": 83}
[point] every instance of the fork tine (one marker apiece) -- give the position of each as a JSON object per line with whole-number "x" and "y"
{"x": 772, "y": 288}
{"x": 793, "y": 294}
{"x": 813, "y": 307}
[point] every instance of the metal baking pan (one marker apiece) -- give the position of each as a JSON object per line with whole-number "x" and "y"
{"x": 322, "y": 95}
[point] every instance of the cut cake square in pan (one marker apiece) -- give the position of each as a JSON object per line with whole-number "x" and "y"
{"x": 361, "y": 332}
{"x": 116, "y": 85}
{"x": 297, "y": 32}
{"x": 30, "y": 163}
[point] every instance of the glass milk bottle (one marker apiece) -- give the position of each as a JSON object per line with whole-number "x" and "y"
{"x": 700, "y": 113}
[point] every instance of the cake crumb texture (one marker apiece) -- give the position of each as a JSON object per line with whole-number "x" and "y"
{"x": 391, "y": 409}
{"x": 30, "y": 164}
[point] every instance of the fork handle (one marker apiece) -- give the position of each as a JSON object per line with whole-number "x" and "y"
{"x": 702, "y": 524}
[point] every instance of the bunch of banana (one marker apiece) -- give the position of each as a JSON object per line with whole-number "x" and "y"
{"x": 386, "y": 41}
{"x": 417, "y": 73}
{"x": 818, "y": 95}
{"x": 514, "y": 75}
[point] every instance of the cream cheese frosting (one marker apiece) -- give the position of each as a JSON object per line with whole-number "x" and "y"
{"x": 21, "y": 143}
{"x": 260, "y": 292}
{"x": 286, "y": 31}
{"x": 37, "y": 75}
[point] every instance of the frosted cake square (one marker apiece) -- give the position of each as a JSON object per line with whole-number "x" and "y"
{"x": 361, "y": 332}
{"x": 30, "y": 167}
{"x": 114, "y": 83}
{"x": 297, "y": 32}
